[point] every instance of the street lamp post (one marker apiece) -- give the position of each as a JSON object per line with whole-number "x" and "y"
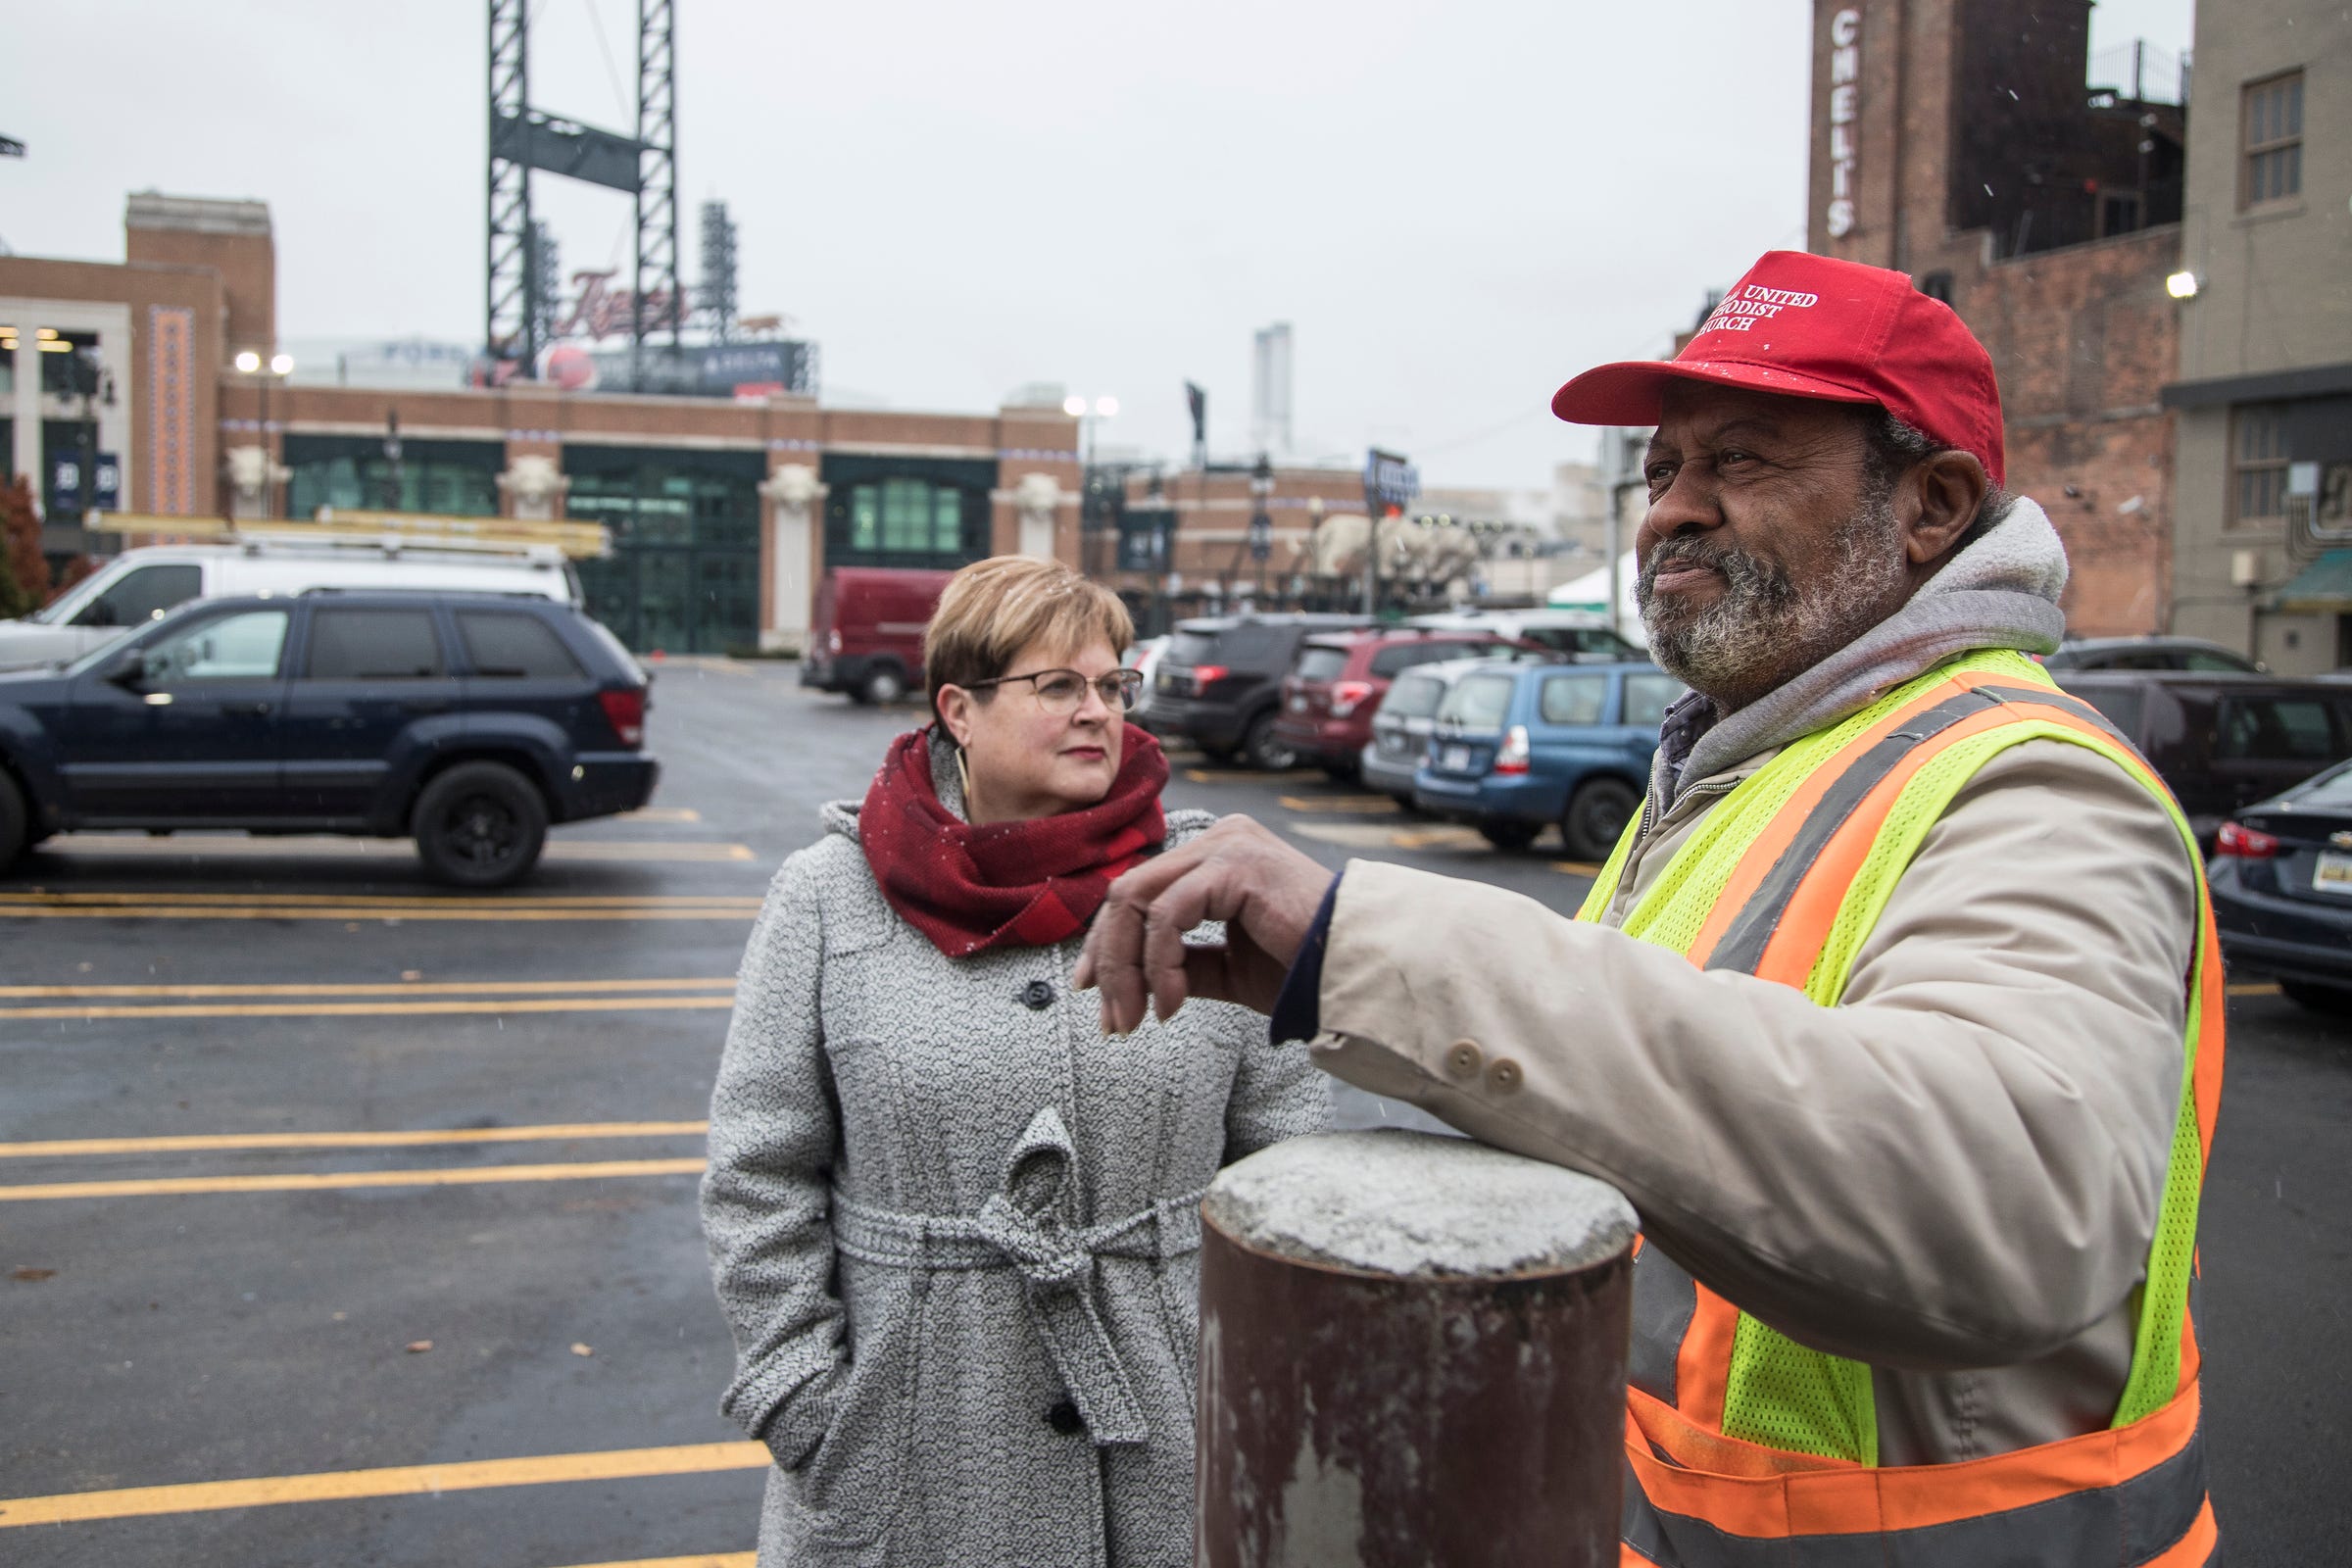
{"x": 1087, "y": 414}
{"x": 1262, "y": 524}
{"x": 280, "y": 367}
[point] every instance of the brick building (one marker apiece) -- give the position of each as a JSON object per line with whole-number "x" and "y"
{"x": 1962, "y": 142}
{"x": 2264, "y": 517}
{"x": 1178, "y": 543}
{"x": 722, "y": 514}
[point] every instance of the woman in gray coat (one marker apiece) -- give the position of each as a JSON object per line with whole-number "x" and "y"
{"x": 955, "y": 1226}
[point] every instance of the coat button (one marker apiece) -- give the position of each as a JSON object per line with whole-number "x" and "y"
{"x": 1462, "y": 1059}
{"x": 1037, "y": 994}
{"x": 1504, "y": 1077}
{"x": 1064, "y": 1418}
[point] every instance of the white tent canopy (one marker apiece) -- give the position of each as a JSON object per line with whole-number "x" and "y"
{"x": 1591, "y": 592}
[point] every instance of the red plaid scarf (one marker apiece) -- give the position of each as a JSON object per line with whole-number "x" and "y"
{"x": 1007, "y": 884}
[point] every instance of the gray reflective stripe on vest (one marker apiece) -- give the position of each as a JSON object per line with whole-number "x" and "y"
{"x": 1665, "y": 1297}
{"x": 1752, "y": 930}
{"x": 2122, "y": 1526}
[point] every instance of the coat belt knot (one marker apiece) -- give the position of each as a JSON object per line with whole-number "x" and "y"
{"x": 1025, "y": 1225}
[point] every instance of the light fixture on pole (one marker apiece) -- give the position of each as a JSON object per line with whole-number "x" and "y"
{"x": 280, "y": 367}
{"x": 2184, "y": 285}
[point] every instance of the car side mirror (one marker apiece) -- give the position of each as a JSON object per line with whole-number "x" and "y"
{"x": 128, "y": 668}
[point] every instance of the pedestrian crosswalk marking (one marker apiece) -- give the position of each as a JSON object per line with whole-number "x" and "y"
{"x": 389, "y": 1138}
{"x": 207, "y": 1497}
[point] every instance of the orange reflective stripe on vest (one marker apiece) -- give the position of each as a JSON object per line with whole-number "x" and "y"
{"x": 2130, "y": 1496}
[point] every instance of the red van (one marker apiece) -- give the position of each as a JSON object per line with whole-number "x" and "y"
{"x": 867, "y": 635}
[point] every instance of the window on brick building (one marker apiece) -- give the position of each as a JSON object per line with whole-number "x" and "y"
{"x": 2258, "y": 463}
{"x": 2274, "y": 131}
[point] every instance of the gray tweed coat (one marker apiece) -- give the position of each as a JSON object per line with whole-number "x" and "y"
{"x": 955, "y": 1230}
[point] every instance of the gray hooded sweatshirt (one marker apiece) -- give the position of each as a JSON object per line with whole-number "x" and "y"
{"x": 1953, "y": 1175}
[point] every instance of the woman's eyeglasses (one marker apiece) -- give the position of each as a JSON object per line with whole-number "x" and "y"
{"x": 1062, "y": 691}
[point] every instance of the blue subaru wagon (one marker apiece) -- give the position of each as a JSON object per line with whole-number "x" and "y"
{"x": 1517, "y": 747}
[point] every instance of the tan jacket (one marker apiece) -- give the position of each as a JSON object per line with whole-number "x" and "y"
{"x": 1952, "y": 1175}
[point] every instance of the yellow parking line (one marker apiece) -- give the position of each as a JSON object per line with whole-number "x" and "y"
{"x": 377, "y": 1010}
{"x": 328, "y": 1181}
{"x": 388, "y": 988}
{"x": 1447, "y": 837}
{"x": 2254, "y": 988}
{"x": 425, "y": 901}
{"x": 660, "y": 813}
{"x": 721, "y": 1559}
{"x": 393, "y": 1138}
{"x": 404, "y": 1480}
{"x": 352, "y": 913}
{"x": 309, "y": 846}
{"x": 1352, "y": 805}
{"x": 1576, "y": 867}
{"x": 1221, "y": 776}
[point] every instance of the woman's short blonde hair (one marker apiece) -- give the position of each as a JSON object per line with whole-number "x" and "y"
{"x": 993, "y": 609}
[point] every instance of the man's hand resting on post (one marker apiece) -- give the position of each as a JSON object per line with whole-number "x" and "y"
{"x": 1265, "y": 892}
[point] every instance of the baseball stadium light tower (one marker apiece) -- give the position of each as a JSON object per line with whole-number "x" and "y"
{"x": 524, "y": 140}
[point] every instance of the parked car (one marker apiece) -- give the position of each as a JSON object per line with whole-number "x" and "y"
{"x": 468, "y": 722}
{"x": 138, "y": 585}
{"x": 1577, "y": 634}
{"x": 1400, "y": 730}
{"x": 2282, "y": 878}
{"x": 1516, "y": 749}
{"x": 866, "y": 634}
{"x": 1219, "y": 683}
{"x": 1144, "y": 660}
{"x": 2192, "y": 654}
{"x": 1337, "y": 682}
{"x": 2223, "y": 742}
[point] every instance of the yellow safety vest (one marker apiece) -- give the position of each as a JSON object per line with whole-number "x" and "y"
{"x": 1747, "y": 1448}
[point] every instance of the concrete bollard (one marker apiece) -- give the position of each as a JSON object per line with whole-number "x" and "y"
{"x": 1412, "y": 1353}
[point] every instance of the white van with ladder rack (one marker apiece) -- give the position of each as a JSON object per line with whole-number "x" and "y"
{"x": 366, "y": 552}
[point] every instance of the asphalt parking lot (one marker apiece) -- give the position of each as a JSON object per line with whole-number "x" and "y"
{"x": 345, "y": 1219}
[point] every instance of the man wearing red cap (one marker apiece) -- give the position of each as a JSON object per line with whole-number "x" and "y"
{"x": 1895, "y": 1013}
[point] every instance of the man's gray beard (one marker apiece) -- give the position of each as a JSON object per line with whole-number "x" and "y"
{"x": 1764, "y": 628}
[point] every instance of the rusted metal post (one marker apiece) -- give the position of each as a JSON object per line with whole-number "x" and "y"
{"x": 1412, "y": 1353}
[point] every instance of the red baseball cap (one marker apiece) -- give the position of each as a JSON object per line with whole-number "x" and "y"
{"x": 1812, "y": 326}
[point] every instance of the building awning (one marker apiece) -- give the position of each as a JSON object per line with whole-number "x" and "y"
{"x": 2323, "y": 587}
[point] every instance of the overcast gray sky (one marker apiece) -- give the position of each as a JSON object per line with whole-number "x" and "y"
{"x": 1456, "y": 205}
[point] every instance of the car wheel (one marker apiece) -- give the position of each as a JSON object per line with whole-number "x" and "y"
{"x": 479, "y": 825}
{"x": 14, "y": 834}
{"x": 1596, "y": 815}
{"x": 1266, "y": 751}
{"x": 1222, "y": 755}
{"x": 883, "y": 686}
{"x": 1510, "y": 836}
{"x": 2334, "y": 1001}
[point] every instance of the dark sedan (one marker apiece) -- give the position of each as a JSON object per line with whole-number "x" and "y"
{"x": 2282, "y": 878}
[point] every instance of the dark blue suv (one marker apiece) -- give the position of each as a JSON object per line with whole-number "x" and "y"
{"x": 469, "y": 721}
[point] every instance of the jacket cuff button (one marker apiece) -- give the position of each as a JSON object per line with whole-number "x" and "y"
{"x": 1064, "y": 1418}
{"x": 1462, "y": 1059}
{"x": 1504, "y": 1077}
{"x": 1037, "y": 994}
